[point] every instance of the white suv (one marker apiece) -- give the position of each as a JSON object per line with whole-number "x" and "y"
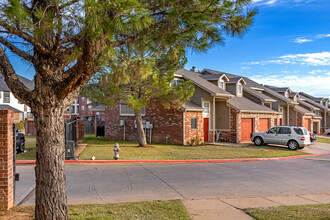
{"x": 327, "y": 132}
{"x": 291, "y": 136}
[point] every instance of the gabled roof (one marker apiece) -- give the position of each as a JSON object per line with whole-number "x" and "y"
{"x": 303, "y": 110}
{"x": 8, "y": 107}
{"x": 278, "y": 89}
{"x": 28, "y": 83}
{"x": 310, "y": 101}
{"x": 236, "y": 80}
{"x": 312, "y": 97}
{"x": 210, "y": 77}
{"x": 189, "y": 106}
{"x": 308, "y": 105}
{"x": 245, "y": 105}
{"x": 258, "y": 95}
{"x": 202, "y": 83}
{"x": 257, "y": 86}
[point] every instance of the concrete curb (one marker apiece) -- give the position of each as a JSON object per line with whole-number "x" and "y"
{"x": 180, "y": 161}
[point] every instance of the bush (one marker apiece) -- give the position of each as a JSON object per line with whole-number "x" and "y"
{"x": 21, "y": 125}
{"x": 196, "y": 141}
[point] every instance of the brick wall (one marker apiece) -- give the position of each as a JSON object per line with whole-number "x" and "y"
{"x": 256, "y": 117}
{"x": 6, "y": 160}
{"x": 300, "y": 121}
{"x": 166, "y": 123}
{"x": 193, "y": 133}
{"x": 30, "y": 128}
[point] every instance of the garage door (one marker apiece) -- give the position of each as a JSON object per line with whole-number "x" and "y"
{"x": 247, "y": 129}
{"x": 307, "y": 124}
{"x": 263, "y": 124}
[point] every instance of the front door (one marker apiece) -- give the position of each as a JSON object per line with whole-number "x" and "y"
{"x": 206, "y": 129}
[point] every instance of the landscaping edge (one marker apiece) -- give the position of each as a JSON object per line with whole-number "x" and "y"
{"x": 180, "y": 161}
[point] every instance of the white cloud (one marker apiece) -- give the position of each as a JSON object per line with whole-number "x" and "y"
{"x": 312, "y": 59}
{"x": 301, "y": 40}
{"x": 276, "y": 2}
{"x": 314, "y": 84}
{"x": 320, "y": 36}
{"x": 314, "y": 72}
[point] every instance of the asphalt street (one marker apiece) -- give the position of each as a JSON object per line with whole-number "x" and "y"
{"x": 91, "y": 183}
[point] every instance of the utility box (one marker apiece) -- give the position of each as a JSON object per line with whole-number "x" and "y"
{"x": 69, "y": 150}
{"x": 100, "y": 131}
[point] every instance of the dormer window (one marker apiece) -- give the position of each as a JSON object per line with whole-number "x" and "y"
{"x": 240, "y": 89}
{"x": 286, "y": 94}
{"x": 295, "y": 98}
{"x": 222, "y": 85}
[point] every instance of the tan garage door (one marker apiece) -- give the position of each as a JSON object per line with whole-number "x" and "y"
{"x": 263, "y": 124}
{"x": 307, "y": 124}
{"x": 246, "y": 129}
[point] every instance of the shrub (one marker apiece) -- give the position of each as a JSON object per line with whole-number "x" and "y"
{"x": 196, "y": 141}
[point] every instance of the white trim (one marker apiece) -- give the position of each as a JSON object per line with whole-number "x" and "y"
{"x": 206, "y": 115}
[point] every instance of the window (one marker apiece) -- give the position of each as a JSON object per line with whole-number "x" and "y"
{"x": 124, "y": 110}
{"x": 194, "y": 123}
{"x": 273, "y": 130}
{"x": 240, "y": 89}
{"x": 206, "y": 107}
{"x": 286, "y": 94}
{"x": 82, "y": 108}
{"x": 176, "y": 82}
{"x": 82, "y": 98}
{"x": 298, "y": 131}
{"x": 6, "y": 97}
{"x": 77, "y": 101}
{"x": 89, "y": 107}
{"x": 275, "y": 121}
{"x": 284, "y": 130}
{"x": 222, "y": 85}
{"x": 102, "y": 118}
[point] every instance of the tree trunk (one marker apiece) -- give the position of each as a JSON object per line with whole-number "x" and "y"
{"x": 141, "y": 137}
{"x": 51, "y": 200}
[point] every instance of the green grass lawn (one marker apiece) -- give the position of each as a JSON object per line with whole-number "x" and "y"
{"x": 102, "y": 149}
{"x": 323, "y": 140}
{"x": 172, "y": 209}
{"x": 306, "y": 212}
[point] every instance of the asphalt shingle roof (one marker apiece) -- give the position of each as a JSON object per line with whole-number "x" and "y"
{"x": 28, "y": 83}
{"x": 246, "y": 105}
{"x": 307, "y": 105}
{"x": 202, "y": 83}
{"x": 189, "y": 106}
{"x": 310, "y": 101}
{"x": 8, "y": 107}
{"x": 258, "y": 95}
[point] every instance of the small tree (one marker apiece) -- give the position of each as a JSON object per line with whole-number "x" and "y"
{"x": 141, "y": 75}
{"x": 67, "y": 41}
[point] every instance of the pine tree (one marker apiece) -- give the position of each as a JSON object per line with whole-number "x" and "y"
{"x": 141, "y": 74}
{"x": 67, "y": 42}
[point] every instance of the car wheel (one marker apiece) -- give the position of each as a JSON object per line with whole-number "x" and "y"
{"x": 293, "y": 145}
{"x": 258, "y": 141}
{"x": 21, "y": 147}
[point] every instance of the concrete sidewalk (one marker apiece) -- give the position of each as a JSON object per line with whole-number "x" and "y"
{"x": 232, "y": 208}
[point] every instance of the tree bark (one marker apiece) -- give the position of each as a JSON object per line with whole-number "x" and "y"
{"x": 49, "y": 171}
{"x": 141, "y": 137}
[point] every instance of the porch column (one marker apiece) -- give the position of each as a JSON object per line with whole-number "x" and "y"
{"x": 213, "y": 119}
{"x": 288, "y": 115}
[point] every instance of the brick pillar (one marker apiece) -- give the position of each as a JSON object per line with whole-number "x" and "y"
{"x": 6, "y": 160}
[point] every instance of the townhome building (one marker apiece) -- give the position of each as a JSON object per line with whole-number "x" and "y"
{"x": 218, "y": 111}
{"x": 9, "y": 102}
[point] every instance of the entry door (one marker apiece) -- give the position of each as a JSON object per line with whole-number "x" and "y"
{"x": 206, "y": 129}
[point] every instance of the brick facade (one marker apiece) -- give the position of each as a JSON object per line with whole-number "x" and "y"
{"x": 256, "y": 123}
{"x": 193, "y": 133}
{"x": 167, "y": 125}
{"x": 6, "y": 160}
{"x": 80, "y": 130}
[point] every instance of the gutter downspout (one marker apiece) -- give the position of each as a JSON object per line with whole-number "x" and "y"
{"x": 213, "y": 119}
{"x": 287, "y": 115}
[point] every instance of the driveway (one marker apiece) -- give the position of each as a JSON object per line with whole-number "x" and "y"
{"x": 137, "y": 182}
{"x": 317, "y": 148}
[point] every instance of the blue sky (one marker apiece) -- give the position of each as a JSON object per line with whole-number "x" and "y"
{"x": 288, "y": 45}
